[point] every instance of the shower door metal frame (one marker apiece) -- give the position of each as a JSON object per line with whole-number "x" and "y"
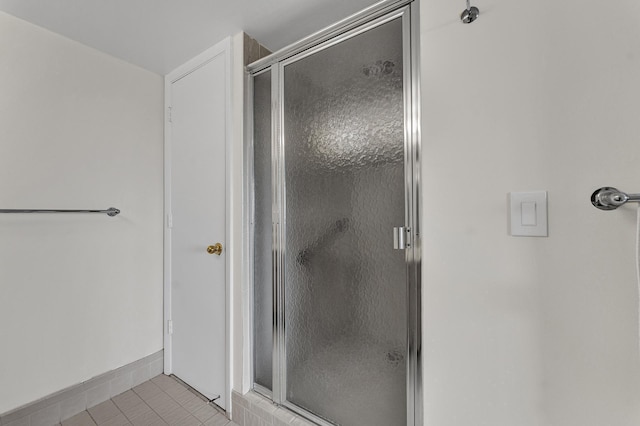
{"x": 370, "y": 18}
{"x": 249, "y": 215}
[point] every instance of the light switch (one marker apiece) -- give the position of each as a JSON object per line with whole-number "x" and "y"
{"x": 528, "y": 209}
{"x": 528, "y": 214}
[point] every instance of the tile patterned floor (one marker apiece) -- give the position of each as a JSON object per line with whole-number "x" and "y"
{"x": 158, "y": 402}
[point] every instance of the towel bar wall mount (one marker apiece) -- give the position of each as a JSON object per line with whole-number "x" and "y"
{"x": 609, "y": 198}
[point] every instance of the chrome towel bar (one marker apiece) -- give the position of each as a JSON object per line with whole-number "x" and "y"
{"x": 111, "y": 211}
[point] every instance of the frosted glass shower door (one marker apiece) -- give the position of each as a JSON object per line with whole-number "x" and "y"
{"x": 345, "y": 287}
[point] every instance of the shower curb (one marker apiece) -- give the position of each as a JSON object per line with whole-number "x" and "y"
{"x": 253, "y": 409}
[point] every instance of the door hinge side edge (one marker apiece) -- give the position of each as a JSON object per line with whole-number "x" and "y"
{"x": 401, "y": 237}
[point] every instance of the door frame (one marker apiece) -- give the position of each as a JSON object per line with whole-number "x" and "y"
{"x": 222, "y": 48}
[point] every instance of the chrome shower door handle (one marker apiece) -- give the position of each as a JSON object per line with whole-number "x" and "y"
{"x": 400, "y": 238}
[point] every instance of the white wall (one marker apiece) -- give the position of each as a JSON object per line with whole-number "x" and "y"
{"x": 79, "y": 294}
{"x": 535, "y": 95}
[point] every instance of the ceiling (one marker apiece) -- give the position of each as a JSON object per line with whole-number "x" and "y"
{"x": 160, "y": 35}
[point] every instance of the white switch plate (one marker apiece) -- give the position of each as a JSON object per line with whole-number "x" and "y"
{"x": 528, "y": 214}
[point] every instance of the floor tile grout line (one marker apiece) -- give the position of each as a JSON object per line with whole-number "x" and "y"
{"x": 92, "y": 418}
{"x": 145, "y": 402}
{"x": 187, "y": 388}
{"x": 193, "y": 391}
{"x": 130, "y": 419}
{"x": 154, "y": 411}
{"x": 158, "y": 414}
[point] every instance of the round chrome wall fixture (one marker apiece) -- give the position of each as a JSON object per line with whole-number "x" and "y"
{"x": 470, "y": 14}
{"x": 609, "y": 198}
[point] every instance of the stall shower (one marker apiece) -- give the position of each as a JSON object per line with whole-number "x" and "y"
{"x": 333, "y": 160}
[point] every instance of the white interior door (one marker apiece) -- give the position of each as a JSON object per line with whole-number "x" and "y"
{"x": 196, "y": 220}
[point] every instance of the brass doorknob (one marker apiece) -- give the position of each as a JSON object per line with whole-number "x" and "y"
{"x": 215, "y": 249}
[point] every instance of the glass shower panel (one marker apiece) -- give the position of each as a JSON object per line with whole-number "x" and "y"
{"x": 345, "y": 285}
{"x": 262, "y": 232}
